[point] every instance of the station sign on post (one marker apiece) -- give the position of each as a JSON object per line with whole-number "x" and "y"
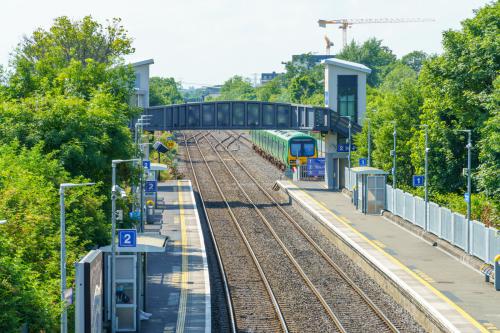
{"x": 146, "y": 164}
{"x": 135, "y": 215}
{"x": 466, "y": 197}
{"x": 418, "y": 181}
{"x": 151, "y": 186}
{"x": 344, "y": 148}
{"x": 363, "y": 162}
{"x": 127, "y": 237}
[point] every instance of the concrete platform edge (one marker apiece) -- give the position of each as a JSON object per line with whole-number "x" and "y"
{"x": 428, "y": 317}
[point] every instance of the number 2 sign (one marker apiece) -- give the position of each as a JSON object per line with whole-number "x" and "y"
{"x": 127, "y": 238}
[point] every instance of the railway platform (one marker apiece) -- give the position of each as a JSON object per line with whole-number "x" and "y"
{"x": 178, "y": 286}
{"x": 424, "y": 279}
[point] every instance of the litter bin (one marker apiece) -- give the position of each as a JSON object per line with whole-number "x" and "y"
{"x": 150, "y": 211}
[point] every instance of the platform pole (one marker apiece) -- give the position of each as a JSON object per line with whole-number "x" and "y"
{"x": 331, "y": 175}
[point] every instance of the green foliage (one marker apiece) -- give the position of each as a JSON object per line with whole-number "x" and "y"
{"x": 454, "y": 91}
{"x": 22, "y": 298}
{"x": 458, "y": 89}
{"x": 47, "y": 60}
{"x": 164, "y": 91}
{"x": 415, "y": 60}
{"x": 86, "y": 135}
{"x": 372, "y": 54}
{"x": 63, "y": 118}
{"x": 29, "y": 181}
{"x": 237, "y": 88}
{"x": 488, "y": 175}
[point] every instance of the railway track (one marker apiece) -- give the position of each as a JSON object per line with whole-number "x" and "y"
{"x": 253, "y": 302}
{"x": 355, "y": 311}
{"x": 297, "y": 300}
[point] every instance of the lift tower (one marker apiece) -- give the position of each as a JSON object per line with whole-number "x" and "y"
{"x": 347, "y": 23}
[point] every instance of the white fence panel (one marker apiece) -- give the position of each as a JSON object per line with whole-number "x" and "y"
{"x": 353, "y": 180}
{"x": 459, "y": 230}
{"x": 494, "y": 243}
{"x": 434, "y": 219}
{"x": 420, "y": 212}
{"x": 409, "y": 208}
{"x": 479, "y": 240}
{"x": 388, "y": 198}
{"x": 400, "y": 202}
{"x": 446, "y": 226}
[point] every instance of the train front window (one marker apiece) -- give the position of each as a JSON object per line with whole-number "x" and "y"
{"x": 308, "y": 149}
{"x": 295, "y": 149}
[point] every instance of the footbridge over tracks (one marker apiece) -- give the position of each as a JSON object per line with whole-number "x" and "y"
{"x": 245, "y": 115}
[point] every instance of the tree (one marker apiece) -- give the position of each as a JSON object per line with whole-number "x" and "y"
{"x": 415, "y": 60}
{"x": 164, "y": 91}
{"x": 44, "y": 60}
{"x": 458, "y": 89}
{"x": 371, "y": 54}
{"x": 237, "y": 88}
{"x": 488, "y": 174}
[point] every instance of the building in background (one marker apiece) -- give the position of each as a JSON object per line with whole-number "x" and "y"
{"x": 141, "y": 86}
{"x": 266, "y": 77}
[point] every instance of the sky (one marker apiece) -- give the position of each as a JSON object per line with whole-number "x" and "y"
{"x": 204, "y": 42}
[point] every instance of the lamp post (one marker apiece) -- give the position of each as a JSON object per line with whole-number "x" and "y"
{"x": 369, "y": 143}
{"x": 114, "y": 163}
{"x": 62, "y": 187}
{"x": 393, "y": 153}
{"x": 427, "y": 149}
{"x": 469, "y": 157}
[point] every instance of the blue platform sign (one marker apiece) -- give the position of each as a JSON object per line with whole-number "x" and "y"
{"x": 146, "y": 164}
{"x": 151, "y": 186}
{"x": 418, "y": 181}
{"x": 127, "y": 238}
{"x": 136, "y": 215}
{"x": 315, "y": 167}
{"x": 363, "y": 162}
{"x": 344, "y": 147}
{"x": 466, "y": 197}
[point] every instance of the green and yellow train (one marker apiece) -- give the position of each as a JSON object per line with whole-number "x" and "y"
{"x": 284, "y": 148}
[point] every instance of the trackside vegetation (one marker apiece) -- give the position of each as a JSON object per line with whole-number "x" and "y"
{"x": 63, "y": 117}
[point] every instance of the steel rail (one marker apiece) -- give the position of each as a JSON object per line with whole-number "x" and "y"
{"x": 339, "y": 270}
{"x": 232, "y": 320}
{"x": 276, "y": 306}
{"x": 294, "y": 262}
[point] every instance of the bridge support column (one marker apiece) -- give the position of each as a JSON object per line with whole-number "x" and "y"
{"x": 331, "y": 161}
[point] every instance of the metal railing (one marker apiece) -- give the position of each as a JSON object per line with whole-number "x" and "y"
{"x": 447, "y": 225}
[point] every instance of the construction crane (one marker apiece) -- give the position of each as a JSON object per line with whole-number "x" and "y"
{"x": 329, "y": 44}
{"x": 347, "y": 23}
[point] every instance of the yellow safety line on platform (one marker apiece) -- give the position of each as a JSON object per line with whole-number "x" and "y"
{"x": 400, "y": 264}
{"x": 181, "y": 314}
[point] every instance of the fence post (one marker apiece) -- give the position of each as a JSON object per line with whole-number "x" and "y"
{"x": 487, "y": 232}
{"x": 452, "y": 228}
{"x": 440, "y": 228}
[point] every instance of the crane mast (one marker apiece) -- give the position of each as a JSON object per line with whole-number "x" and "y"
{"x": 344, "y": 24}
